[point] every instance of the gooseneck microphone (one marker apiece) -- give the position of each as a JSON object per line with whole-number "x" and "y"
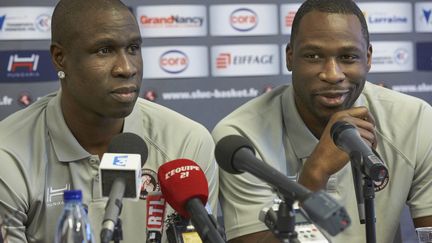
{"x": 348, "y": 139}
{"x": 185, "y": 188}
{"x": 120, "y": 173}
{"x": 235, "y": 155}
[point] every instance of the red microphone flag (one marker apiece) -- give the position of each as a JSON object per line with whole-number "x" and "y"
{"x": 181, "y": 180}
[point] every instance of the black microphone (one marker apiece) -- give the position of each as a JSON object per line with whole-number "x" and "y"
{"x": 347, "y": 138}
{"x": 236, "y": 155}
{"x": 120, "y": 172}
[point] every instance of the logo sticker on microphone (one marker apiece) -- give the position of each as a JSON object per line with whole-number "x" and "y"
{"x": 379, "y": 185}
{"x": 149, "y": 183}
{"x": 120, "y": 160}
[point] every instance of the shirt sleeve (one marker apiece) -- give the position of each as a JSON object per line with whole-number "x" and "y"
{"x": 13, "y": 199}
{"x": 242, "y": 196}
{"x": 419, "y": 199}
{"x": 203, "y": 155}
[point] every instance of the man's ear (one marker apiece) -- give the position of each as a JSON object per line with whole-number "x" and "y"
{"x": 369, "y": 57}
{"x": 289, "y": 56}
{"x": 57, "y": 55}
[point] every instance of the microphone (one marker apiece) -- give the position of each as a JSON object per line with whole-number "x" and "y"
{"x": 236, "y": 155}
{"x": 185, "y": 188}
{"x": 120, "y": 173}
{"x": 347, "y": 138}
{"x": 155, "y": 216}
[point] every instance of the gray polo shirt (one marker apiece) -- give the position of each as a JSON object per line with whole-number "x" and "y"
{"x": 271, "y": 122}
{"x": 40, "y": 158}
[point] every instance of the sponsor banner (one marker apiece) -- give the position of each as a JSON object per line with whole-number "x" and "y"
{"x": 243, "y": 20}
{"x": 175, "y": 62}
{"x": 5, "y": 100}
{"x": 287, "y": 13}
{"x": 392, "y": 56}
{"x": 423, "y": 17}
{"x": 388, "y": 17}
{"x": 413, "y": 88}
{"x": 25, "y": 23}
{"x": 283, "y": 61}
{"x": 211, "y": 94}
{"x": 424, "y": 56}
{"x": 172, "y": 20}
{"x": 245, "y": 60}
{"x": 26, "y": 66}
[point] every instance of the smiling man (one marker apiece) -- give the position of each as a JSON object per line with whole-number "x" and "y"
{"x": 56, "y": 143}
{"x": 330, "y": 55}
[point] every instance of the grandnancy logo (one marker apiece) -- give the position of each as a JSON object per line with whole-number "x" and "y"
{"x": 172, "y": 21}
{"x": 243, "y": 19}
{"x": 174, "y": 61}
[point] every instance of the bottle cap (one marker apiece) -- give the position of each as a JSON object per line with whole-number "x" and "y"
{"x": 72, "y": 195}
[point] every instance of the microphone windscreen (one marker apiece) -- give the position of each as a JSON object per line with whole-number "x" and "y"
{"x": 181, "y": 180}
{"x": 129, "y": 143}
{"x": 338, "y": 128}
{"x": 226, "y": 149}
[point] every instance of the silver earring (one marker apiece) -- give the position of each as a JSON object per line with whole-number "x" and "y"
{"x": 61, "y": 74}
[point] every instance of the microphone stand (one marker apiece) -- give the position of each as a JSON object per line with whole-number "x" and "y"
{"x": 365, "y": 195}
{"x": 282, "y": 222}
{"x": 118, "y": 232}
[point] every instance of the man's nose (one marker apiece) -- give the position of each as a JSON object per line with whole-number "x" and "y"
{"x": 332, "y": 71}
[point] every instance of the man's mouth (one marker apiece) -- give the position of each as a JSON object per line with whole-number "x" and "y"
{"x": 332, "y": 98}
{"x": 125, "y": 94}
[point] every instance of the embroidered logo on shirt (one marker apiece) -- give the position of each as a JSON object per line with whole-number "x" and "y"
{"x": 54, "y": 197}
{"x": 149, "y": 183}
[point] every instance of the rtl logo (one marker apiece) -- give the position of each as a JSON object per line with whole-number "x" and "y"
{"x": 243, "y": 19}
{"x": 174, "y": 61}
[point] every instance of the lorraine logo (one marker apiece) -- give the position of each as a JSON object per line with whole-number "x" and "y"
{"x": 243, "y": 19}
{"x": 401, "y": 56}
{"x": 426, "y": 15}
{"x": 223, "y": 60}
{"x": 2, "y": 20}
{"x": 289, "y": 18}
{"x": 120, "y": 160}
{"x": 43, "y": 22}
{"x": 18, "y": 63}
{"x": 174, "y": 61}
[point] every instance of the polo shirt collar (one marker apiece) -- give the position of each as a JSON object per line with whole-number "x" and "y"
{"x": 65, "y": 145}
{"x": 299, "y": 136}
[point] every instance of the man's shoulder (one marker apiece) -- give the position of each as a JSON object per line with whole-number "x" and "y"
{"x": 385, "y": 102}
{"x": 162, "y": 117}
{"x": 255, "y": 115}
{"x": 23, "y": 122}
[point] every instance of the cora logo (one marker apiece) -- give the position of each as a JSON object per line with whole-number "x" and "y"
{"x": 174, "y": 61}
{"x": 243, "y": 19}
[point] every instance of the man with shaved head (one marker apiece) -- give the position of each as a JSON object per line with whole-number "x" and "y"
{"x": 329, "y": 54}
{"x": 56, "y": 144}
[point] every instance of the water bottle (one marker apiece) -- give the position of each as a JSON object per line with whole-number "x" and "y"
{"x": 73, "y": 225}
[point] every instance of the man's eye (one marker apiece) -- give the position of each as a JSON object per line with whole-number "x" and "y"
{"x": 134, "y": 48}
{"x": 349, "y": 58}
{"x": 312, "y": 56}
{"x": 104, "y": 50}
